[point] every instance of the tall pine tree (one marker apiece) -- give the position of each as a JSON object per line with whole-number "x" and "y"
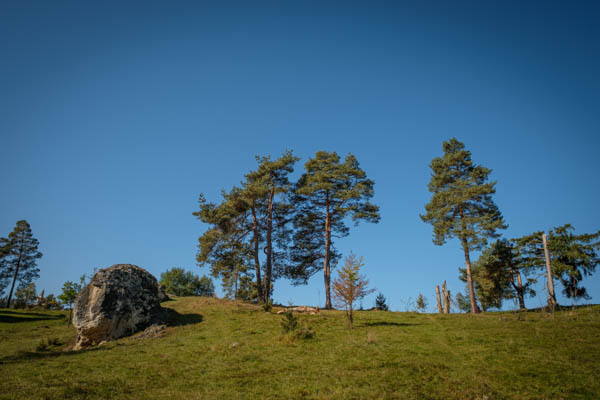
{"x": 327, "y": 193}
{"x": 461, "y": 205}
{"x": 21, "y": 257}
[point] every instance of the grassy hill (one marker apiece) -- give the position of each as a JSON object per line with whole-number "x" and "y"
{"x": 228, "y": 350}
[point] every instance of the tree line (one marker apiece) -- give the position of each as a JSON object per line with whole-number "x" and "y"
{"x": 268, "y": 227}
{"x": 462, "y": 207}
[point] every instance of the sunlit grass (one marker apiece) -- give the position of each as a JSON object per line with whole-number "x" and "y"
{"x": 225, "y": 350}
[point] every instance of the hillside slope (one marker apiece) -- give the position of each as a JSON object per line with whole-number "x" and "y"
{"x": 222, "y": 350}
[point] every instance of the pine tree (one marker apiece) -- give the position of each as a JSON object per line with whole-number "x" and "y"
{"x": 264, "y": 186}
{"x": 421, "y": 302}
{"x": 21, "y": 257}
{"x": 380, "y": 303}
{"x": 4, "y": 271}
{"x": 571, "y": 256}
{"x": 327, "y": 193}
{"x": 461, "y": 205}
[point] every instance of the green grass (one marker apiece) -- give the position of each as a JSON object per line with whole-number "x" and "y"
{"x": 228, "y": 350}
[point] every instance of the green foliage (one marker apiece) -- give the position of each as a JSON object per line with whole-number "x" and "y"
{"x": 421, "y": 303}
{"x": 248, "y": 217}
{"x": 70, "y": 290}
{"x": 289, "y": 322}
{"x": 18, "y": 257}
{"x": 326, "y": 194}
{"x": 380, "y": 303}
{"x": 461, "y": 205}
{"x": 179, "y": 282}
{"x": 463, "y": 302}
{"x": 572, "y": 257}
{"x": 25, "y": 296}
{"x": 267, "y": 306}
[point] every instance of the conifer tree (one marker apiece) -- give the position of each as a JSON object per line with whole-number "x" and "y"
{"x": 258, "y": 207}
{"x": 265, "y": 184}
{"x": 325, "y": 194}
{"x": 21, "y": 257}
{"x": 4, "y": 273}
{"x": 461, "y": 205}
{"x": 571, "y": 256}
{"x": 380, "y": 303}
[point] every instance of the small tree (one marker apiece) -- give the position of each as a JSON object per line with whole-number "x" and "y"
{"x": 463, "y": 302}
{"x": 380, "y": 303}
{"x": 350, "y": 285}
{"x": 179, "y": 282}
{"x": 25, "y": 296}
{"x": 70, "y": 290}
{"x": 421, "y": 303}
{"x": 19, "y": 257}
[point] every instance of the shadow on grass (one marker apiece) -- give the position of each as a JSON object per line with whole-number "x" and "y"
{"x": 37, "y": 355}
{"x": 173, "y": 318}
{"x": 387, "y": 323}
{"x": 14, "y": 316}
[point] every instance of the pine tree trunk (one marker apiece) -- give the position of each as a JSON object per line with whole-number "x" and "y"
{"x": 326, "y": 270}
{"x": 256, "y": 260}
{"x": 269, "y": 268}
{"x": 474, "y": 308}
{"x": 439, "y": 299}
{"x": 12, "y": 287}
{"x": 551, "y": 297}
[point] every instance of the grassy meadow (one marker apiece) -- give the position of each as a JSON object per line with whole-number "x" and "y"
{"x": 221, "y": 349}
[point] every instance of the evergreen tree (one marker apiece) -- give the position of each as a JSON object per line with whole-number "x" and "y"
{"x": 421, "y": 303}
{"x": 4, "y": 272}
{"x": 265, "y": 184}
{"x": 380, "y": 303}
{"x": 21, "y": 255}
{"x": 461, "y": 205}
{"x": 258, "y": 207}
{"x": 327, "y": 193}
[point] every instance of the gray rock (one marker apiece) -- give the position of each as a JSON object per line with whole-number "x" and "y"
{"x": 118, "y": 301}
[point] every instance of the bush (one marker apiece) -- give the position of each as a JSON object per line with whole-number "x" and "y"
{"x": 268, "y": 306}
{"x": 45, "y": 345}
{"x": 179, "y": 282}
{"x": 289, "y": 323}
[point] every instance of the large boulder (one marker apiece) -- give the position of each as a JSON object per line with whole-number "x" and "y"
{"x": 118, "y": 301}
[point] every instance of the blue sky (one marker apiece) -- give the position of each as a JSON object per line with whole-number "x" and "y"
{"x": 115, "y": 117}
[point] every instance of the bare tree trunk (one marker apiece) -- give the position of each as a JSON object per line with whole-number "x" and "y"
{"x": 439, "y": 299}
{"x": 326, "y": 266}
{"x": 446, "y": 299}
{"x": 551, "y": 297}
{"x": 259, "y": 287}
{"x": 269, "y": 268}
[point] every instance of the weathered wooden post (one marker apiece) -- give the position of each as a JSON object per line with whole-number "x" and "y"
{"x": 439, "y": 299}
{"x": 551, "y": 297}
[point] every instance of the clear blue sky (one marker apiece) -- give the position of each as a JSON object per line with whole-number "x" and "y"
{"x": 115, "y": 117}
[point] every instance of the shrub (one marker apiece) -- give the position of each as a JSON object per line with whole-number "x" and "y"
{"x": 289, "y": 322}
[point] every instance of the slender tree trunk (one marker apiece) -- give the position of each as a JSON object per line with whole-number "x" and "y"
{"x": 259, "y": 287}
{"x": 351, "y": 318}
{"x": 12, "y": 287}
{"x": 474, "y": 307}
{"x": 439, "y": 299}
{"x": 465, "y": 245}
{"x": 269, "y": 268}
{"x": 326, "y": 267}
{"x": 519, "y": 289}
{"x": 551, "y": 297}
